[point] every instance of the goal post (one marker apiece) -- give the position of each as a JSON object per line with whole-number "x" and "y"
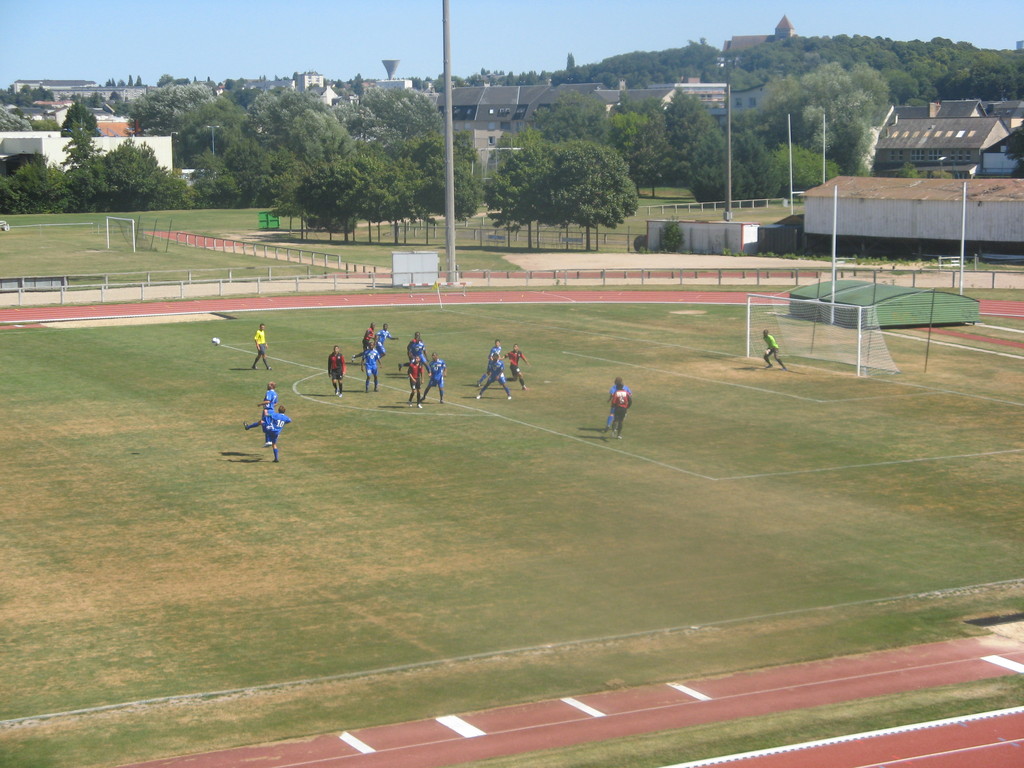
{"x": 123, "y": 227}
{"x": 820, "y": 330}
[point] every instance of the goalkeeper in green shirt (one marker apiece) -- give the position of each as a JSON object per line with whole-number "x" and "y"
{"x": 772, "y": 350}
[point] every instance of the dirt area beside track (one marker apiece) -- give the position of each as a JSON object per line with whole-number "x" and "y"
{"x": 577, "y": 260}
{"x": 139, "y": 320}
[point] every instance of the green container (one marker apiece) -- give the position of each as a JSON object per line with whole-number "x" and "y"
{"x": 896, "y": 305}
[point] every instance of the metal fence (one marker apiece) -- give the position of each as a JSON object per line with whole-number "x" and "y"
{"x": 241, "y": 282}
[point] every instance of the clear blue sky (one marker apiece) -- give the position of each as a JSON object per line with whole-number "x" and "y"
{"x": 63, "y": 40}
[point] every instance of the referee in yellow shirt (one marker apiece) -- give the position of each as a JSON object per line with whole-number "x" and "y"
{"x": 261, "y": 347}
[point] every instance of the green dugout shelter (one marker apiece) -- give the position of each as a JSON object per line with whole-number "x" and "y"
{"x": 896, "y": 305}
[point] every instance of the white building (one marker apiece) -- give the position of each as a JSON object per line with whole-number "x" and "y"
{"x": 16, "y": 147}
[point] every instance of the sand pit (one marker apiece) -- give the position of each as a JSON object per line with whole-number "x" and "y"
{"x": 136, "y": 320}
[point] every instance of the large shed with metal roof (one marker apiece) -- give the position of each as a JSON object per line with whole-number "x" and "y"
{"x": 927, "y": 216}
{"x": 895, "y": 305}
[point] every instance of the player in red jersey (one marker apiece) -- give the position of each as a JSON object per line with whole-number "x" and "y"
{"x": 621, "y": 399}
{"x": 514, "y": 358}
{"x": 415, "y": 380}
{"x": 336, "y": 370}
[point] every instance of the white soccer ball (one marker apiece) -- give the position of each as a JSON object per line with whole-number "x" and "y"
{"x": 215, "y": 341}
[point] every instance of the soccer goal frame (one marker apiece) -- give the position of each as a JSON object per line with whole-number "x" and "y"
{"x": 820, "y": 330}
{"x": 121, "y": 219}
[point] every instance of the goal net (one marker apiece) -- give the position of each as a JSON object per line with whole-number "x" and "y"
{"x": 820, "y": 330}
{"x": 122, "y": 230}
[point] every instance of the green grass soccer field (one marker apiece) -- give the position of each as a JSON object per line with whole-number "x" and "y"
{"x": 401, "y": 563}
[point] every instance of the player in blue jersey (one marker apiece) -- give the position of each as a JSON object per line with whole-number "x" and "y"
{"x": 495, "y": 350}
{"x": 437, "y": 367}
{"x": 416, "y": 349}
{"x": 382, "y": 336}
{"x": 270, "y": 398}
{"x": 266, "y": 423}
{"x": 370, "y": 357}
{"x": 277, "y": 422}
{"x": 495, "y": 373}
{"x": 616, "y": 387}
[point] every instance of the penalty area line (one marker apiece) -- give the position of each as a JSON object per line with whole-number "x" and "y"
{"x": 896, "y": 462}
{"x": 698, "y": 378}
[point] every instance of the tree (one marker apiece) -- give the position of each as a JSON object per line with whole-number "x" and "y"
{"x": 427, "y": 154}
{"x": 852, "y": 102}
{"x": 83, "y": 171}
{"x": 299, "y": 123}
{"x": 195, "y": 137}
{"x": 78, "y": 119}
{"x": 161, "y": 112}
{"x": 640, "y": 138}
{"x": 1015, "y": 151}
{"x": 134, "y": 181}
{"x": 515, "y": 193}
{"x": 806, "y": 168}
{"x": 9, "y": 121}
{"x": 755, "y": 173}
{"x": 329, "y": 196}
{"x": 573, "y": 116}
{"x": 390, "y": 117}
{"x": 671, "y": 238}
{"x": 37, "y": 188}
{"x": 589, "y": 186}
{"x": 697, "y": 145}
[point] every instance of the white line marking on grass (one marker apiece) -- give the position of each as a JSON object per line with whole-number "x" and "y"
{"x": 699, "y": 378}
{"x": 872, "y": 464}
{"x": 356, "y": 743}
{"x": 207, "y": 696}
{"x": 957, "y": 346}
{"x": 460, "y": 726}
{"x": 645, "y": 341}
{"x": 1001, "y": 328}
{"x": 1010, "y": 664}
{"x": 858, "y": 737}
{"x": 690, "y": 692}
{"x": 584, "y": 708}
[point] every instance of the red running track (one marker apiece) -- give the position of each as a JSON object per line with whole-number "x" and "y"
{"x": 34, "y": 315}
{"x": 601, "y": 716}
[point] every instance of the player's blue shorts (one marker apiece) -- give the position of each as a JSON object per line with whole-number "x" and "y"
{"x": 436, "y": 382}
{"x": 500, "y": 378}
{"x": 371, "y": 369}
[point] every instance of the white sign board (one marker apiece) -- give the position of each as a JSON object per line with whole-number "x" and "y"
{"x": 413, "y": 268}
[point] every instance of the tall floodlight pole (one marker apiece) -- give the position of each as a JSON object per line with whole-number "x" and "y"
{"x": 449, "y": 151}
{"x": 789, "y": 138}
{"x": 823, "y": 171}
{"x": 835, "y": 230}
{"x": 213, "y": 138}
{"x": 728, "y": 146}
{"x": 963, "y": 237}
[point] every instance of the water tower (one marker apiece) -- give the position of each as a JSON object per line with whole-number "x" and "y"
{"x": 390, "y": 65}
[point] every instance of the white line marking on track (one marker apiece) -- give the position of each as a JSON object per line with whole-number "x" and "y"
{"x": 690, "y": 692}
{"x": 1010, "y": 664}
{"x": 356, "y": 743}
{"x": 460, "y": 726}
{"x": 852, "y": 737}
{"x": 586, "y": 709}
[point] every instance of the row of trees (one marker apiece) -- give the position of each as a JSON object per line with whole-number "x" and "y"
{"x": 915, "y": 72}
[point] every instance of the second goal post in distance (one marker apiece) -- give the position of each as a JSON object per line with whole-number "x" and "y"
{"x": 819, "y": 330}
{"x": 122, "y": 227}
